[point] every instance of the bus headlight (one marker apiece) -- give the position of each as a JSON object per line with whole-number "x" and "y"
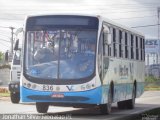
{"x": 12, "y": 86}
{"x": 16, "y": 86}
{"x": 33, "y": 86}
{"x": 28, "y": 85}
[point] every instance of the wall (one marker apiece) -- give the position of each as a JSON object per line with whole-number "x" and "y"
{"x": 5, "y": 76}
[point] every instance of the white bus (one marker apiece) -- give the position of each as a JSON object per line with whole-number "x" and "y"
{"x": 81, "y": 61}
{"x": 15, "y": 74}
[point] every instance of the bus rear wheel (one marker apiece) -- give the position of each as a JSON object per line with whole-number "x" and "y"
{"x": 42, "y": 107}
{"x": 15, "y": 97}
{"x": 106, "y": 108}
{"x": 121, "y": 104}
{"x": 131, "y": 103}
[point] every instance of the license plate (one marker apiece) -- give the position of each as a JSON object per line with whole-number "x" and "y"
{"x": 57, "y": 95}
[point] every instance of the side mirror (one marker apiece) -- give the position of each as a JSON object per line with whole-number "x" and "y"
{"x": 19, "y": 30}
{"x": 16, "y": 47}
{"x": 107, "y": 35}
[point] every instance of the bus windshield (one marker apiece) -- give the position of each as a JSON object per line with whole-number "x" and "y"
{"x": 61, "y": 53}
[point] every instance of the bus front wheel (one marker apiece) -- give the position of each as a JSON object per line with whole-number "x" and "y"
{"x": 106, "y": 108}
{"x": 42, "y": 107}
{"x": 15, "y": 97}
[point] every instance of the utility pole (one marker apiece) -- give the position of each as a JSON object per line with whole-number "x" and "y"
{"x": 158, "y": 13}
{"x": 12, "y": 28}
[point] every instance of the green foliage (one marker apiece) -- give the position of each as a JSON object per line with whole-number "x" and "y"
{"x": 1, "y": 55}
{"x": 151, "y": 79}
{"x": 5, "y": 66}
{"x": 152, "y": 83}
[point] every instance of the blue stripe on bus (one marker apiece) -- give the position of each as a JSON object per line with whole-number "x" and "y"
{"x": 124, "y": 91}
{"x": 95, "y": 96}
{"x": 89, "y": 97}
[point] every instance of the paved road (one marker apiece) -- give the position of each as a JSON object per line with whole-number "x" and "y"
{"x": 148, "y": 100}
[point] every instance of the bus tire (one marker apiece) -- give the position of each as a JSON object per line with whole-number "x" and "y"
{"x": 15, "y": 97}
{"x": 131, "y": 103}
{"x": 121, "y": 105}
{"x": 106, "y": 108}
{"x": 42, "y": 107}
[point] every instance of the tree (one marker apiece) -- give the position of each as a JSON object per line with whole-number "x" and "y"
{"x": 6, "y": 56}
{"x": 1, "y": 55}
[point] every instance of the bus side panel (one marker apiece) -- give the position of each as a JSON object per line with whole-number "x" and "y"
{"x": 124, "y": 73}
{"x": 140, "y": 89}
{"x": 105, "y": 89}
{"x": 140, "y": 70}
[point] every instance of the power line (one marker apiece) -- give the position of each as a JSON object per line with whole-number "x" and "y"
{"x": 113, "y": 12}
{"x": 103, "y": 8}
{"x": 4, "y": 27}
{"x": 5, "y": 45}
{"x": 152, "y": 3}
{"x": 4, "y": 40}
{"x": 109, "y": 12}
{"x": 7, "y": 27}
{"x": 145, "y": 26}
{"x": 135, "y": 17}
{"x": 101, "y": 4}
{"x": 11, "y": 19}
{"x": 4, "y": 35}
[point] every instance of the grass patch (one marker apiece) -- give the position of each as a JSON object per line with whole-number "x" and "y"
{"x": 153, "y": 112}
{"x": 4, "y": 94}
{"x": 148, "y": 115}
{"x": 152, "y": 88}
{"x": 152, "y": 83}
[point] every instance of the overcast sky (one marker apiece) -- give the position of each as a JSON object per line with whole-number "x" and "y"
{"x": 130, "y": 13}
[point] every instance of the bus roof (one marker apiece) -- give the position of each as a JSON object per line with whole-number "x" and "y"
{"x": 101, "y": 18}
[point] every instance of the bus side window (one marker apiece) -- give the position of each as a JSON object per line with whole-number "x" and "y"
{"x": 110, "y": 47}
{"x": 137, "y": 51}
{"x": 106, "y": 47}
{"x": 120, "y": 44}
{"x": 143, "y": 49}
{"x": 114, "y": 43}
{"x": 126, "y": 45}
{"x": 132, "y": 49}
{"x": 139, "y": 47}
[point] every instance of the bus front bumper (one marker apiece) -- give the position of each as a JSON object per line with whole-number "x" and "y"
{"x": 83, "y": 97}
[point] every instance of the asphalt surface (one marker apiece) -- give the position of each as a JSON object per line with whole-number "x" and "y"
{"x": 149, "y": 100}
